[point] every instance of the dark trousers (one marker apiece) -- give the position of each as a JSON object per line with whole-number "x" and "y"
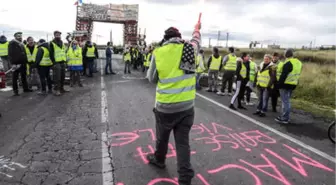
{"x": 22, "y": 71}
{"x": 274, "y": 96}
{"x": 263, "y": 99}
{"x": 180, "y": 123}
{"x": 59, "y": 69}
{"x": 44, "y": 72}
{"x": 240, "y": 91}
{"x": 108, "y": 65}
{"x": 89, "y": 64}
{"x": 75, "y": 78}
{"x": 227, "y": 78}
{"x": 127, "y": 67}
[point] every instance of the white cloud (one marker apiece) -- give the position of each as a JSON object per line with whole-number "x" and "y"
{"x": 289, "y": 23}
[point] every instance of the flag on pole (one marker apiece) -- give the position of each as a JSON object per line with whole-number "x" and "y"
{"x": 78, "y": 2}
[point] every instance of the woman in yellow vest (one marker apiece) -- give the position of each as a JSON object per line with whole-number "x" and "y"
{"x": 32, "y": 74}
{"x": 75, "y": 63}
{"x": 127, "y": 60}
{"x": 265, "y": 81}
{"x": 44, "y": 65}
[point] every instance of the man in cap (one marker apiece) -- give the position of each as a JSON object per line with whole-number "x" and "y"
{"x": 58, "y": 58}
{"x": 18, "y": 58}
{"x": 173, "y": 68}
{"x": 288, "y": 75}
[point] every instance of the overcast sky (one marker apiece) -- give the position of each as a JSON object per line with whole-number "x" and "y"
{"x": 289, "y": 23}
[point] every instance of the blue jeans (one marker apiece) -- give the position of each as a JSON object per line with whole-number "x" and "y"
{"x": 285, "y": 95}
{"x": 108, "y": 65}
{"x": 198, "y": 77}
{"x": 90, "y": 64}
{"x": 263, "y": 99}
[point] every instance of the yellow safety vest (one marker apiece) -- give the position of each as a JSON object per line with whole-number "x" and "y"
{"x": 263, "y": 78}
{"x": 279, "y": 69}
{"x": 4, "y": 49}
{"x": 174, "y": 85}
{"x": 127, "y": 57}
{"x": 90, "y": 52}
{"x": 75, "y": 57}
{"x": 46, "y": 61}
{"x": 215, "y": 63}
{"x": 294, "y": 76}
{"x": 231, "y": 64}
{"x": 252, "y": 71}
{"x": 31, "y": 57}
{"x": 59, "y": 53}
{"x": 198, "y": 59}
{"x": 243, "y": 71}
{"x": 147, "y": 60}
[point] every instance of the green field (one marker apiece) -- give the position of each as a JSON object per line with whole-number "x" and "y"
{"x": 316, "y": 90}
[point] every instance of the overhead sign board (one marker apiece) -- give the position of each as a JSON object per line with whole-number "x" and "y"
{"x": 109, "y": 12}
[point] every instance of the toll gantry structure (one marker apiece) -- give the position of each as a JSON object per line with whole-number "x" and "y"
{"x": 127, "y": 15}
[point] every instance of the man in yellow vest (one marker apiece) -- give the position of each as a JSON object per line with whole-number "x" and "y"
{"x": 173, "y": 69}
{"x": 58, "y": 57}
{"x": 252, "y": 82}
{"x": 214, "y": 64}
{"x": 275, "y": 91}
{"x": 230, "y": 66}
{"x": 288, "y": 75}
{"x": 75, "y": 63}
{"x": 32, "y": 74}
{"x": 4, "y": 52}
{"x": 127, "y": 59}
{"x": 243, "y": 77}
{"x": 89, "y": 55}
{"x": 265, "y": 80}
{"x": 44, "y": 65}
{"x": 199, "y": 68}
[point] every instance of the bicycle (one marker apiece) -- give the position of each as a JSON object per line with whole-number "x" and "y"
{"x": 331, "y": 132}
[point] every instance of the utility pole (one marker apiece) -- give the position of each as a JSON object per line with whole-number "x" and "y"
{"x": 111, "y": 36}
{"x": 209, "y": 42}
{"x": 227, "y": 39}
{"x": 218, "y": 36}
{"x": 47, "y": 37}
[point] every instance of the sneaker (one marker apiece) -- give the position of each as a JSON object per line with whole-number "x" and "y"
{"x": 281, "y": 121}
{"x": 249, "y": 103}
{"x": 229, "y": 94}
{"x": 209, "y": 90}
{"x": 215, "y": 91}
{"x": 113, "y": 73}
{"x": 220, "y": 93}
{"x": 16, "y": 94}
{"x": 57, "y": 93}
{"x": 42, "y": 93}
{"x": 257, "y": 113}
{"x": 152, "y": 160}
{"x": 262, "y": 114}
{"x": 241, "y": 107}
{"x": 232, "y": 107}
{"x": 27, "y": 90}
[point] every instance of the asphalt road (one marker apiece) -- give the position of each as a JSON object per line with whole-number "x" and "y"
{"x": 99, "y": 135}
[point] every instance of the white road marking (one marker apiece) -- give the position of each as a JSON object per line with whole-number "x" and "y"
{"x": 106, "y": 167}
{"x": 310, "y": 148}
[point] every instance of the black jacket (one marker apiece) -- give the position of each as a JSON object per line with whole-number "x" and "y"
{"x": 17, "y": 53}
{"x": 40, "y": 53}
{"x": 52, "y": 49}
{"x": 108, "y": 52}
{"x": 287, "y": 68}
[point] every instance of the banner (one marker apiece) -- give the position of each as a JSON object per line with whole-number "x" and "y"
{"x": 108, "y": 13}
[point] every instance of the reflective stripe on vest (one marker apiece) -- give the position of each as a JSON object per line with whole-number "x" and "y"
{"x": 215, "y": 63}
{"x": 231, "y": 64}
{"x": 174, "y": 85}
{"x": 46, "y": 61}
{"x": 90, "y": 52}
{"x": 4, "y": 49}
{"x": 263, "y": 78}
{"x": 59, "y": 53}
{"x": 252, "y": 71}
{"x": 31, "y": 57}
{"x": 294, "y": 76}
{"x": 75, "y": 57}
